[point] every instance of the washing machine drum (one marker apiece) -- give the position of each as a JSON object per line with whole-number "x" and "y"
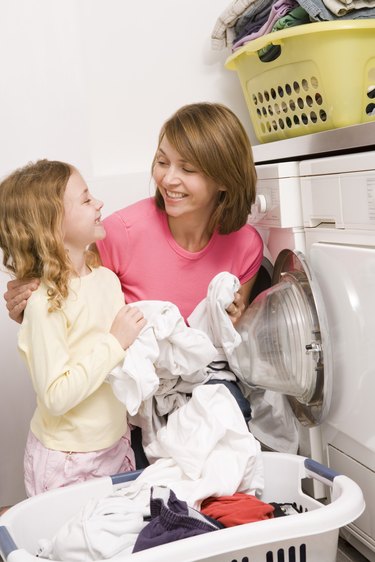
{"x": 285, "y": 345}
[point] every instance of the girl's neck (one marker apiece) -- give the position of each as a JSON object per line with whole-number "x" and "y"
{"x": 79, "y": 264}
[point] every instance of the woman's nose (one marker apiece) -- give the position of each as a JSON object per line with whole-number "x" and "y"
{"x": 171, "y": 177}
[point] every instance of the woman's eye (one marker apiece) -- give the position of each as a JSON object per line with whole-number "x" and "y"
{"x": 161, "y": 163}
{"x": 189, "y": 170}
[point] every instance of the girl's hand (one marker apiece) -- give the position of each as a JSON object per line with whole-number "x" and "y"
{"x": 127, "y": 324}
{"x": 19, "y": 290}
{"x": 236, "y": 308}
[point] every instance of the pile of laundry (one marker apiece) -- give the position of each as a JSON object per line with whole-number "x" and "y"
{"x": 246, "y": 20}
{"x": 206, "y": 468}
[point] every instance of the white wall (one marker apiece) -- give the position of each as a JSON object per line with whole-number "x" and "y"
{"x": 91, "y": 82}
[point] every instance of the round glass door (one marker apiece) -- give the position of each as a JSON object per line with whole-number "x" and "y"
{"x": 285, "y": 345}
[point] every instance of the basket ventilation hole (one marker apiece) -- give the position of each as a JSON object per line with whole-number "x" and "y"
{"x": 244, "y": 559}
{"x": 291, "y": 107}
{"x": 287, "y": 556}
{"x": 370, "y": 108}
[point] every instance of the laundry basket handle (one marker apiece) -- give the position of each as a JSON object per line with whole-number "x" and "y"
{"x": 323, "y": 473}
{"x": 6, "y": 542}
{"x": 122, "y": 477}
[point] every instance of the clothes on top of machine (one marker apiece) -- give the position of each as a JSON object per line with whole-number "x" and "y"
{"x": 204, "y": 450}
{"x": 278, "y": 9}
{"x": 297, "y": 16}
{"x": 223, "y": 34}
{"x": 326, "y": 10}
{"x": 172, "y": 520}
{"x": 253, "y": 19}
{"x": 237, "y": 509}
{"x": 241, "y": 19}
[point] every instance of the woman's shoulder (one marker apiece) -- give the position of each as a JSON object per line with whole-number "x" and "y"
{"x": 246, "y": 234}
{"x": 141, "y": 210}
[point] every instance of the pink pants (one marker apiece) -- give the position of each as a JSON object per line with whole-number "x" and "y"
{"x": 45, "y": 469}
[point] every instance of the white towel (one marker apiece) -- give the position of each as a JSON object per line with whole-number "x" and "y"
{"x": 165, "y": 344}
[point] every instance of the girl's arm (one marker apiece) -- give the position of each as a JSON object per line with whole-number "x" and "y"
{"x": 63, "y": 378}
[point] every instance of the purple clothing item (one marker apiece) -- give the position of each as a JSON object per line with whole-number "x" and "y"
{"x": 255, "y": 17}
{"x": 172, "y": 520}
{"x": 280, "y": 8}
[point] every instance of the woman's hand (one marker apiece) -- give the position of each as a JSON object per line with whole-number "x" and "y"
{"x": 127, "y": 324}
{"x": 19, "y": 291}
{"x": 236, "y": 308}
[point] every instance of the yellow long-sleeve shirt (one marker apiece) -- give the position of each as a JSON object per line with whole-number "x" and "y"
{"x": 69, "y": 353}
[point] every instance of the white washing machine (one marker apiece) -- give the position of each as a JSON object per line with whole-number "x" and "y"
{"x": 312, "y": 334}
{"x": 338, "y": 202}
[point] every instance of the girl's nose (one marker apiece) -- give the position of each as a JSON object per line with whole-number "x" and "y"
{"x": 99, "y": 204}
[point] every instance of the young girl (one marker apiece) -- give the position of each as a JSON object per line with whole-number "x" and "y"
{"x": 75, "y": 328}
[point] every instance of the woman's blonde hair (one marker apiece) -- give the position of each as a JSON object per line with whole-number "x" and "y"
{"x": 212, "y": 139}
{"x": 31, "y": 235}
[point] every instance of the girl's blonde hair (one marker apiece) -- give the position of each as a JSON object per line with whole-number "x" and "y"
{"x": 31, "y": 235}
{"x": 212, "y": 139}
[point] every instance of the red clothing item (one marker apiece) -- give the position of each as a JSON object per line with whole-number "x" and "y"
{"x": 237, "y": 509}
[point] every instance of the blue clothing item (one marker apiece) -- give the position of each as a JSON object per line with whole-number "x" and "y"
{"x": 236, "y": 392}
{"x": 172, "y": 520}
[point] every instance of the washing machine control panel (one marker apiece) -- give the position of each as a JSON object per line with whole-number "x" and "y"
{"x": 339, "y": 190}
{"x": 278, "y": 199}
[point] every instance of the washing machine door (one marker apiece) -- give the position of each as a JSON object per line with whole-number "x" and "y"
{"x": 285, "y": 341}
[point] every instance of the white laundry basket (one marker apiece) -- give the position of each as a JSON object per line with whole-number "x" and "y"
{"x": 310, "y": 536}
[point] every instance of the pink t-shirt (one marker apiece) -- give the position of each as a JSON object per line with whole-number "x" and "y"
{"x": 140, "y": 249}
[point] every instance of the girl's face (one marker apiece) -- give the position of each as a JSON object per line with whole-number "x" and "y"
{"x": 82, "y": 218}
{"x": 185, "y": 190}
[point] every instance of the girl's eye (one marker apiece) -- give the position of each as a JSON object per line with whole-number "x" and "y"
{"x": 88, "y": 201}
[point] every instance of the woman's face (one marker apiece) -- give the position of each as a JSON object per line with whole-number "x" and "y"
{"x": 185, "y": 190}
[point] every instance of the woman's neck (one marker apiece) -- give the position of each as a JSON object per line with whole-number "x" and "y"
{"x": 190, "y": 235}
